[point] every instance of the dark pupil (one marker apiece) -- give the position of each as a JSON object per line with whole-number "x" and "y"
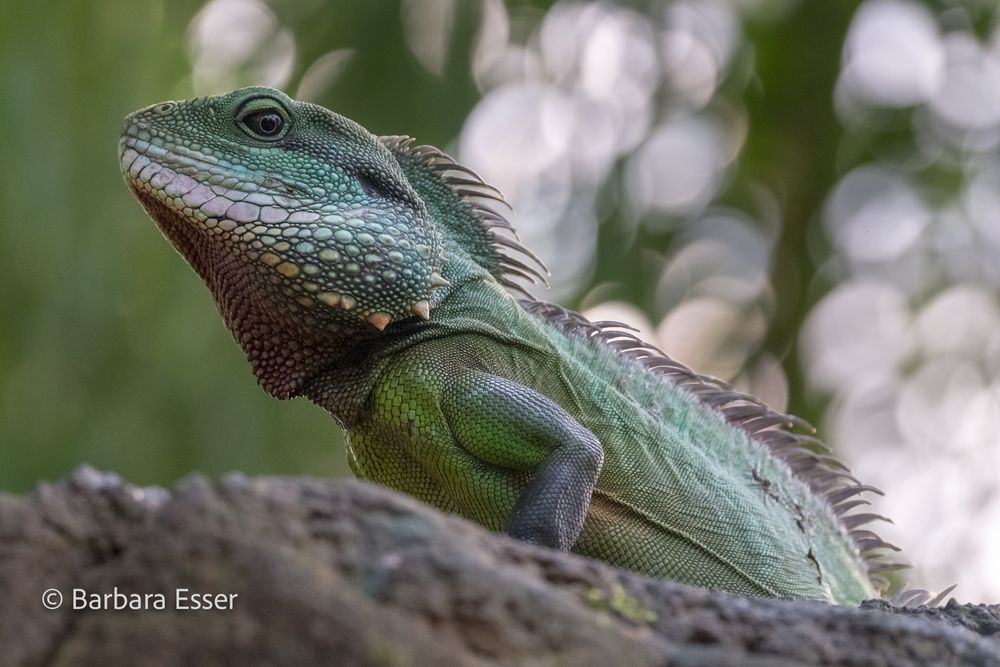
{"x": 265, "y": 123}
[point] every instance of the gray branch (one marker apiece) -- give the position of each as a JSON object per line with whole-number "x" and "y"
{"x": 345, "y": 573}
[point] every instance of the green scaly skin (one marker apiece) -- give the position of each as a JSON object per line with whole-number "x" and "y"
{"x": 368, "y": 276}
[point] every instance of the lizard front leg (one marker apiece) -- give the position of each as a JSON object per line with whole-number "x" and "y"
{"x": 512, "y": 426}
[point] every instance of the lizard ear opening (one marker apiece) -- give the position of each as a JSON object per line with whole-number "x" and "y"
{"x": 369, "y": 185}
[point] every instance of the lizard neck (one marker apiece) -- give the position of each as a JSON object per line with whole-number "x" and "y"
{"x": 343, "y": 385}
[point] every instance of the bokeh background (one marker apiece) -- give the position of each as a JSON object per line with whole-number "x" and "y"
{"x": 801, "y": 197}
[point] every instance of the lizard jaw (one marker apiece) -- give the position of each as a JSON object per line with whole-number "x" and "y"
{"x": 323, "y": 260}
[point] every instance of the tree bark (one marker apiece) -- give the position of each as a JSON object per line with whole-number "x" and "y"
{"x": 346, "y": 573}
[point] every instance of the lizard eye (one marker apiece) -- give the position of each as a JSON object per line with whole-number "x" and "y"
{"x": 266, "y": 123}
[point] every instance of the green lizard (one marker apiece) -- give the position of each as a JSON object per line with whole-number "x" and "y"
{"x": 373, "y": 277}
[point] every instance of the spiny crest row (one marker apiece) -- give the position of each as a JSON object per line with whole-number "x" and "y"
{"x": 472, "y": 190}
{"x": 808, "y": 458}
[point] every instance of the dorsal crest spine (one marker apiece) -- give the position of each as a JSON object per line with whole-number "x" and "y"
{"x": 787, "y": 437}
{"x": 482, "y": 231}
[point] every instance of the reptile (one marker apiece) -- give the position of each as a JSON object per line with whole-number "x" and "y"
{"x": 382, "y": 281}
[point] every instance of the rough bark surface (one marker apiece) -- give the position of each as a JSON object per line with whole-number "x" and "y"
{"x": 340, "y": 572}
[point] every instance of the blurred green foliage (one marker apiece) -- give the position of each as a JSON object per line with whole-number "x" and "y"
{"x": 111, "y": 351}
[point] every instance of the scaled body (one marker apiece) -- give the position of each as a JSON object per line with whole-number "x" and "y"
{"x": 372, "y": 277}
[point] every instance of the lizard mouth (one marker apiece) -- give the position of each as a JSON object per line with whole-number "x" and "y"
{"x": 197, "y": 177}
{"x": 182, "y": 187}
{"x": 179, "y": 180}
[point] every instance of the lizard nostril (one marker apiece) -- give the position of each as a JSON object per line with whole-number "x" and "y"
{"x": 164, "y": 108}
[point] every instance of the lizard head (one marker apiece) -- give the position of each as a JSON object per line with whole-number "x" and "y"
{"x": 300, "y": 221}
